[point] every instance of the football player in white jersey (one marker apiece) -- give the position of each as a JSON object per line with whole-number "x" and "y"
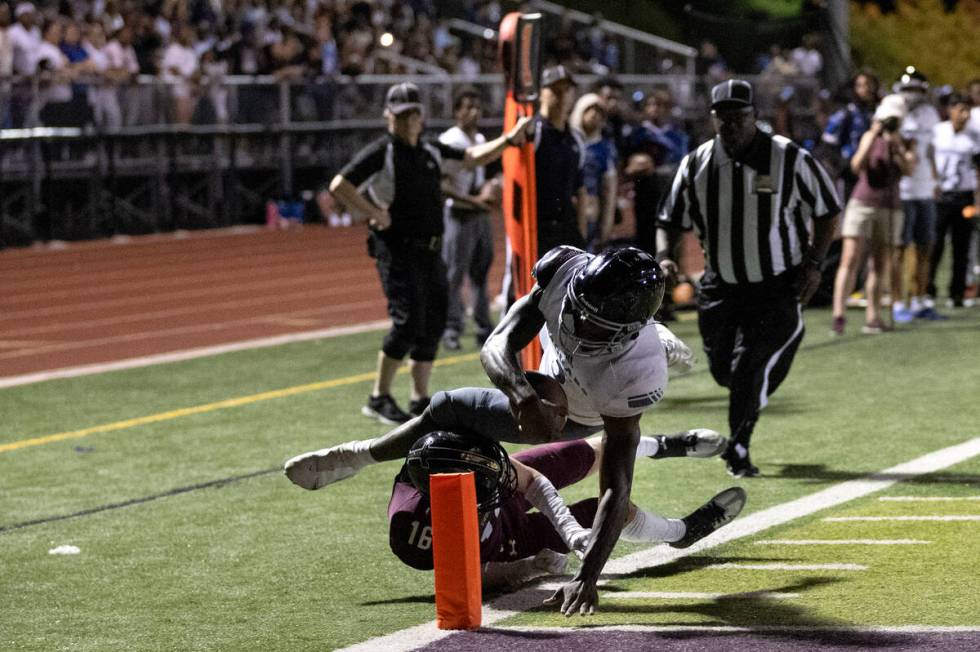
{"x": 611, "y": 360}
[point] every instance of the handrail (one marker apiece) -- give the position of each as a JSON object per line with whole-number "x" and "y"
{"x": 617, "y": 28}
{"x": 486, "y": 33}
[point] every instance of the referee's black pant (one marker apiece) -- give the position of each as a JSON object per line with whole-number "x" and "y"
{"x": 751, "y": 332}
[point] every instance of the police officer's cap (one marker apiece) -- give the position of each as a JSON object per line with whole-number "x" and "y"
{"x": 731, "y": 94}
{"x": 403, "y": 97}
{"x": 554, "y": 74}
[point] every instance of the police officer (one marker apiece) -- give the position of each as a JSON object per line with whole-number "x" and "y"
{"x": 765, "y": 213}
{"x": 400, "y": 174}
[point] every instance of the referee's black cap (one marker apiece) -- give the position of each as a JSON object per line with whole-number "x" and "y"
{"x": 403, "y": 97}
{"x": 731, "y": 94}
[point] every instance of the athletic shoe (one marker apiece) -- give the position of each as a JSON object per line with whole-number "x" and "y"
{"x": 739, "y": 466}
{"x": 328, "y": 465}
{"x": 837, "y": 326}
{"x": 902, "y": 315}
{"x": 956, "y": 302}
{"x": 699, "y": 442}
{"x": 384, "y": 409}
{"x": 551, "y": 562}
{"x": 875, "y": 327}
{"x": 451, "y": 342}
{"x": 720, "y": 510}
{"x": 416, "y": 408}
{"x": 930, "y": 314}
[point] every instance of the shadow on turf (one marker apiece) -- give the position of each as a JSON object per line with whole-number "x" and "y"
{"x": 821, "y": 473}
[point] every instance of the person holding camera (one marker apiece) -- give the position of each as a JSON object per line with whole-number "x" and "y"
{"x": 873, "y": 218}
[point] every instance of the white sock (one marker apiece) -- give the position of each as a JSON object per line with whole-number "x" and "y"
{"x": 651, "y": 528}
{"x": 915, "y": 304}
{"x": 648, "y": 446}
{"x": 898, "y": 305}
{"x": 362, "y": 451}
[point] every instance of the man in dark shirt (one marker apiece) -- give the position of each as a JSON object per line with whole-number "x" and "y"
{"x": 558, "y": 160}
{"x": 764, "y": 211}
{"x": 401, "y": 176}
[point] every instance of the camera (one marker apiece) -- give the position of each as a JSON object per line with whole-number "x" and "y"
{"x": 891, "y": 124}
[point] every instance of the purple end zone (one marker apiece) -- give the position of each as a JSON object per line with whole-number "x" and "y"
{"x": 575, "y": 640}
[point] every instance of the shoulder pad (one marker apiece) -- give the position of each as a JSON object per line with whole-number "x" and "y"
{"x": 548, "y": 265}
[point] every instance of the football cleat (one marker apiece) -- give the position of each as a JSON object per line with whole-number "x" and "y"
{"x": 720, "y": 510}
{"x": 317, "y": 469}
{"x": 551, "y": 562}
{"x": 738, "y": 462}
{"x": 699, "y": 442}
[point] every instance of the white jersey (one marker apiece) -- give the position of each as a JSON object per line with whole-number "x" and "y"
{"x": 622, "y": 384}
{"x": 918, "y": 125}
{"x": 465, "y": 182}
{"x": 957, "y": 153}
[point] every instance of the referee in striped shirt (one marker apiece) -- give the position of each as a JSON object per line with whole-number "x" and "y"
{"x": 764, "y": 211}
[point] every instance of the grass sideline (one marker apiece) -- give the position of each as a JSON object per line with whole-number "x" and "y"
{"x": 256, "y": 563}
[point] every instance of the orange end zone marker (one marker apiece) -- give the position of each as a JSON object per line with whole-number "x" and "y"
{"x": 456, "y": 551}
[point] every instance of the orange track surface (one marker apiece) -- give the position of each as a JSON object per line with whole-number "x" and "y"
{"x": 105, "y": 301}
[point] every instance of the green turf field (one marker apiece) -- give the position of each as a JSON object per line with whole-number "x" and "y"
{"x": 239, "y": 558}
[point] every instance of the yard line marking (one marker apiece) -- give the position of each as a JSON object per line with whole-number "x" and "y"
{"x": 190, "y": 354}
{"x": 790, "y": 567}
{"x": 884, "y": 629}
{"x": 211, "y": 407}
{"x": 924, "y": 499}
{"x": 513, "y": 604}
{"x": 841, "y": 542}
{"x": 697, "y": 595}
{"x": 851, "y": 519}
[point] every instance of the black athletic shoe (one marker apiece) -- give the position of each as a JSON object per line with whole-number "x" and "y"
{"x": 699, "y": 442}
{"x": 416, "y": 408}
{"x": 384, "y": 409}
{"x": 720, "y": 510}
{"x": 739, "y": 466}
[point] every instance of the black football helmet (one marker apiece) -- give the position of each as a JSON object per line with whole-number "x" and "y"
{"x": 449, "y": 452}
{"x": 609, "y": 300}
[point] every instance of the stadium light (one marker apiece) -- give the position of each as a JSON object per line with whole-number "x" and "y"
{"x": 386, "y": 40}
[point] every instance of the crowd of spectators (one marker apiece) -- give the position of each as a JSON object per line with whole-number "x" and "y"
{"x": 81, "y": 50}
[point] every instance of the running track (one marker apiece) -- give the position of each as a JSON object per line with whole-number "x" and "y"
{"x": 104, "y": 301}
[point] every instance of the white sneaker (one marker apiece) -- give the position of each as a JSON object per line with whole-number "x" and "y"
{"x": 680, "y": 358}
{"x": 699, "y": 442}
{"x": 317, "y": 469}
{"x": 553, "y": 563}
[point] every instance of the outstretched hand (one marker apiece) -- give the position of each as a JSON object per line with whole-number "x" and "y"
{"x": 577, "y": 596}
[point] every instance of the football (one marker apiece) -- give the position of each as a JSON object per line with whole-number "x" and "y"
{"x": 550, "y": 390}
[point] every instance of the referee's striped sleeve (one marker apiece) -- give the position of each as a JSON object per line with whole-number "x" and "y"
{"x": 675, "y": 210}
{"x": 816, "y": 187}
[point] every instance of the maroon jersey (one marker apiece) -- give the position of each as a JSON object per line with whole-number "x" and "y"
{"x": 509, "y": 532}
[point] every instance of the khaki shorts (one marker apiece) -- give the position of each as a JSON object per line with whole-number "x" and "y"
{"x": 864, "y": 221}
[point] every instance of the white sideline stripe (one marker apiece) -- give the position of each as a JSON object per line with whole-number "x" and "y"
{"x": 510, "y": 605}
{"x": 696, "y": 595}
{"x": 190, "y": 354}
{"x": 925, "y": 499}
{"x": 841, "y": 542}
{"x": 851, "y": 519}
{"x": 790, "y": 567}
{"x": 898, "y": 629}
